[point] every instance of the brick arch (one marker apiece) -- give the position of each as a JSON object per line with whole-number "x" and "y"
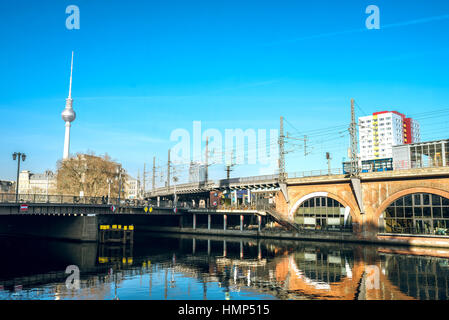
{"x": 405, "y": 192}
{"x": 301, "y": 198}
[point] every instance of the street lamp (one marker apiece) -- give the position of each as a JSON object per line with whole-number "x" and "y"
{"x": 18, "y": 155}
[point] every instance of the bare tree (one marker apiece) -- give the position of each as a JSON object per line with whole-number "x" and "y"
{"x": 87, "y": 174}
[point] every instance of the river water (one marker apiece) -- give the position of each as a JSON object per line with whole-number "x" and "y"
{"x": 184, "y": 267}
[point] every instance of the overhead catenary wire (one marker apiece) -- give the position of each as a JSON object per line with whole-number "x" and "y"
{"x": 328, "y": 139}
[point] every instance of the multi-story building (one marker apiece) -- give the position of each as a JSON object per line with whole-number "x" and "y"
{"x": 379, "y": 132}
{"x": 421, "y": 155}
{"x": 36, "y": 183}
{"x": 131, "y": 188}
{"x": 197, "y": 172}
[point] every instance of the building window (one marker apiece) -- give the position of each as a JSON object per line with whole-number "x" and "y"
{"x": 323, "y": 213}
{"x": 419, "y": 213}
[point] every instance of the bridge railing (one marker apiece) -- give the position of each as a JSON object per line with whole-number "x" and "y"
{"x": 316, "y": 173}
{"x": 66, "y": 199}
{"x": 77, "y": 200}
{"x": 269, "y": 177}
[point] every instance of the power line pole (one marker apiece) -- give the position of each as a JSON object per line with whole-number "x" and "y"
{"x": 207, "y": 159}
{"x": 281, "y": 151}
{"x": 305, "y": 145}
{"x": 139, "y": 183}
{"x": 354, "y": 170}
{"x": 229, "y": 167}
{"x": 329, "y": 158}
{"x": 175, "y": 180}
{"x": 168, "y": 170}
{"x": 154, "y": 174}
{"x": 282, "y": 176}
{"x": 144, "y": 179}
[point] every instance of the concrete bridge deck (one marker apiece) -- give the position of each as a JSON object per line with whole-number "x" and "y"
{"x": 364, "y": 201}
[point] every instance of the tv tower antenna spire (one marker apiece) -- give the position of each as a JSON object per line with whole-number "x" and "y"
{"x": 68, "y": 115}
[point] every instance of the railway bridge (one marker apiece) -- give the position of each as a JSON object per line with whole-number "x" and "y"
{"x": 402, "y": 207}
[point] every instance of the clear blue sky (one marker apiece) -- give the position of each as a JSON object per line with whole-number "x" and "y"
{"x": 145, "y": 68}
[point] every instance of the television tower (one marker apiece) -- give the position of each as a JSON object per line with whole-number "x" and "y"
{"x": 68, "y": 115}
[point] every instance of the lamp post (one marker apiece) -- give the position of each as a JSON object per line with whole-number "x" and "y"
{"x": 48, "y": 174}
{"x": 18, "y": 155}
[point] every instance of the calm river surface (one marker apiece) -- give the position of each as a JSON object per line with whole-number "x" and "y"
{"x": 183, "y": 267}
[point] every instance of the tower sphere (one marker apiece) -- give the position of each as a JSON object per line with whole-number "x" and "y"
{"x": 68, "y": 114}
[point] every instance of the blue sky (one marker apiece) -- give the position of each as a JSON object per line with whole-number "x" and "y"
{"x": 145, "y": 68}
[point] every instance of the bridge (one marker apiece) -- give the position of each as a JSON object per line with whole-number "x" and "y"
{"x": 363, "y": 204}
{"x": 245, "y": 183}
{"x": 78, "y": 218}
{"x": 403, "y": 207}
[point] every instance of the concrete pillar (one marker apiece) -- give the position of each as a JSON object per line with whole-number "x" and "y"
{"x": 208, "y": 247}
{"x": 241, "y": 250}
{"x": 194, "y": 221}
{"x": 225, "y": 221}
{"x": 259, "y": 251}
{"x": 259, "y": 223}
{"x": 208, "y": 221}
{"x": 158, "y": 201}
{"x": 241, "y": 222}
{"x": 193, "y": 246}
{"x": 249, "y": 197}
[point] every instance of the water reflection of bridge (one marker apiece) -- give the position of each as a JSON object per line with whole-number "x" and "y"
{"x": 280, "y": 269}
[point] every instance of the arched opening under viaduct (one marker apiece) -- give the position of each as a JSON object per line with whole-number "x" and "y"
{"x": 321, "y": 211}
{"x": 420, "y": 213}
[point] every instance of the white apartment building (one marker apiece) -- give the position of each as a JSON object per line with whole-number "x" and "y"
{"x": 131, "y": 187}
{"x": 379, "y": 132}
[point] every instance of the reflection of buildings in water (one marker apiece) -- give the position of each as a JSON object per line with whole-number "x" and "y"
{"x": 222, "y": 261}
{"x": 333, "y": 277}
{"x": 323, "y": 274}
{"x": 285, "y": 271}
{"x": 424, "y": 278}
{"x": 320, "y": 275}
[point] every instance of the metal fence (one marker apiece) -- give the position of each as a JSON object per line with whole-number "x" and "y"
{"x": 66, "y": 199}
{"x": 77, "y": 200}
{"x": 316, "y": 173}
